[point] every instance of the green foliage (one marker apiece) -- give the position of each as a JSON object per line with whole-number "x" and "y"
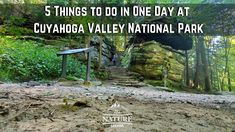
{"x": 25, "y": 60}
{"x": 16, "y": 20}
{"x": 14, "y": 30}
{"x": 14, "y": 26}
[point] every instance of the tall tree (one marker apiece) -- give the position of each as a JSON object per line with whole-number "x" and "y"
{"x": 226, "y": 69}
{"x": 202, "y": 65}
{"x": 187, "y": 68}
{"x": 205, "y": 63}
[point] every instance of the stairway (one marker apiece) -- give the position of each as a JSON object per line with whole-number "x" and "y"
{"x": 122, "y": 77}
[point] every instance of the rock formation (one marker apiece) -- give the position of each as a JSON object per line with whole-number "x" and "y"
{"x": 152, "y": 59}
{"x": 108, "y": 49}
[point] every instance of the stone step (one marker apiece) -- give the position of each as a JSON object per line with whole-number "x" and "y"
{"x": 128, "y": 81}
{"x": 137, "y": 85}
{"x": 122, "y": 77}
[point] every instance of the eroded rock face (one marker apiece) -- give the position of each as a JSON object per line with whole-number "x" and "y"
{"x": 108, "y": 49}
{"x": 149, "y": 59}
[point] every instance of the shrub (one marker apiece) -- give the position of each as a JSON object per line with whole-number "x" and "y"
{"x": 25, "y": 60}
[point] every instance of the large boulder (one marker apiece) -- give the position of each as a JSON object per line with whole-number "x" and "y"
{"x": 151, "y": 59}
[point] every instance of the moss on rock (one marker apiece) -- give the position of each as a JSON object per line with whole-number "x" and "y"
{"x": 149, "y": 59}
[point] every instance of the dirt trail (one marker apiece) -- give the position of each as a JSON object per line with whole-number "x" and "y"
{"x": 120, "y": 78}
{"x": 49, "y": 107}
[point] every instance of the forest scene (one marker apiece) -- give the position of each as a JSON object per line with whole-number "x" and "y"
{"x": 116, "y": 81}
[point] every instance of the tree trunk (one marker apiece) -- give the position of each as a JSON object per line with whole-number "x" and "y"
{"x": 197, "y": 66}
{"x": 210, "y": 69}
{"x": 202, "y": 66}
{"x": 87, "y": 43}
{"x": 229, "y": 81}
{"x": 226, "y": 71}
{"x": 217, "y": 79}
{"x": 186, "y": 69}
{"x": 100, "y": 53}
{"x": 205, "y": 64}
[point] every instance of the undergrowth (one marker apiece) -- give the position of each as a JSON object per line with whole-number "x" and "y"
{"x": 22, "y": 60}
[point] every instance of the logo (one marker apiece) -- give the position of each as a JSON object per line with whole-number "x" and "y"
{"x": 117, "y": 116}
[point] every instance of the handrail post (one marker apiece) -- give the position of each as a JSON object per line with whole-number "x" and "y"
{"x": 88, "y": 66}
{"x": 64, "y": 66}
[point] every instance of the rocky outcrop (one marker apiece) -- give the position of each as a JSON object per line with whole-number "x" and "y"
{"x": 152, "y": 60}
{"x": 108, "y": 49}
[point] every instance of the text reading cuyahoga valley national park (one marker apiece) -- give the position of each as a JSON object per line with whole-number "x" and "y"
{"x": 117, "y": 25}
